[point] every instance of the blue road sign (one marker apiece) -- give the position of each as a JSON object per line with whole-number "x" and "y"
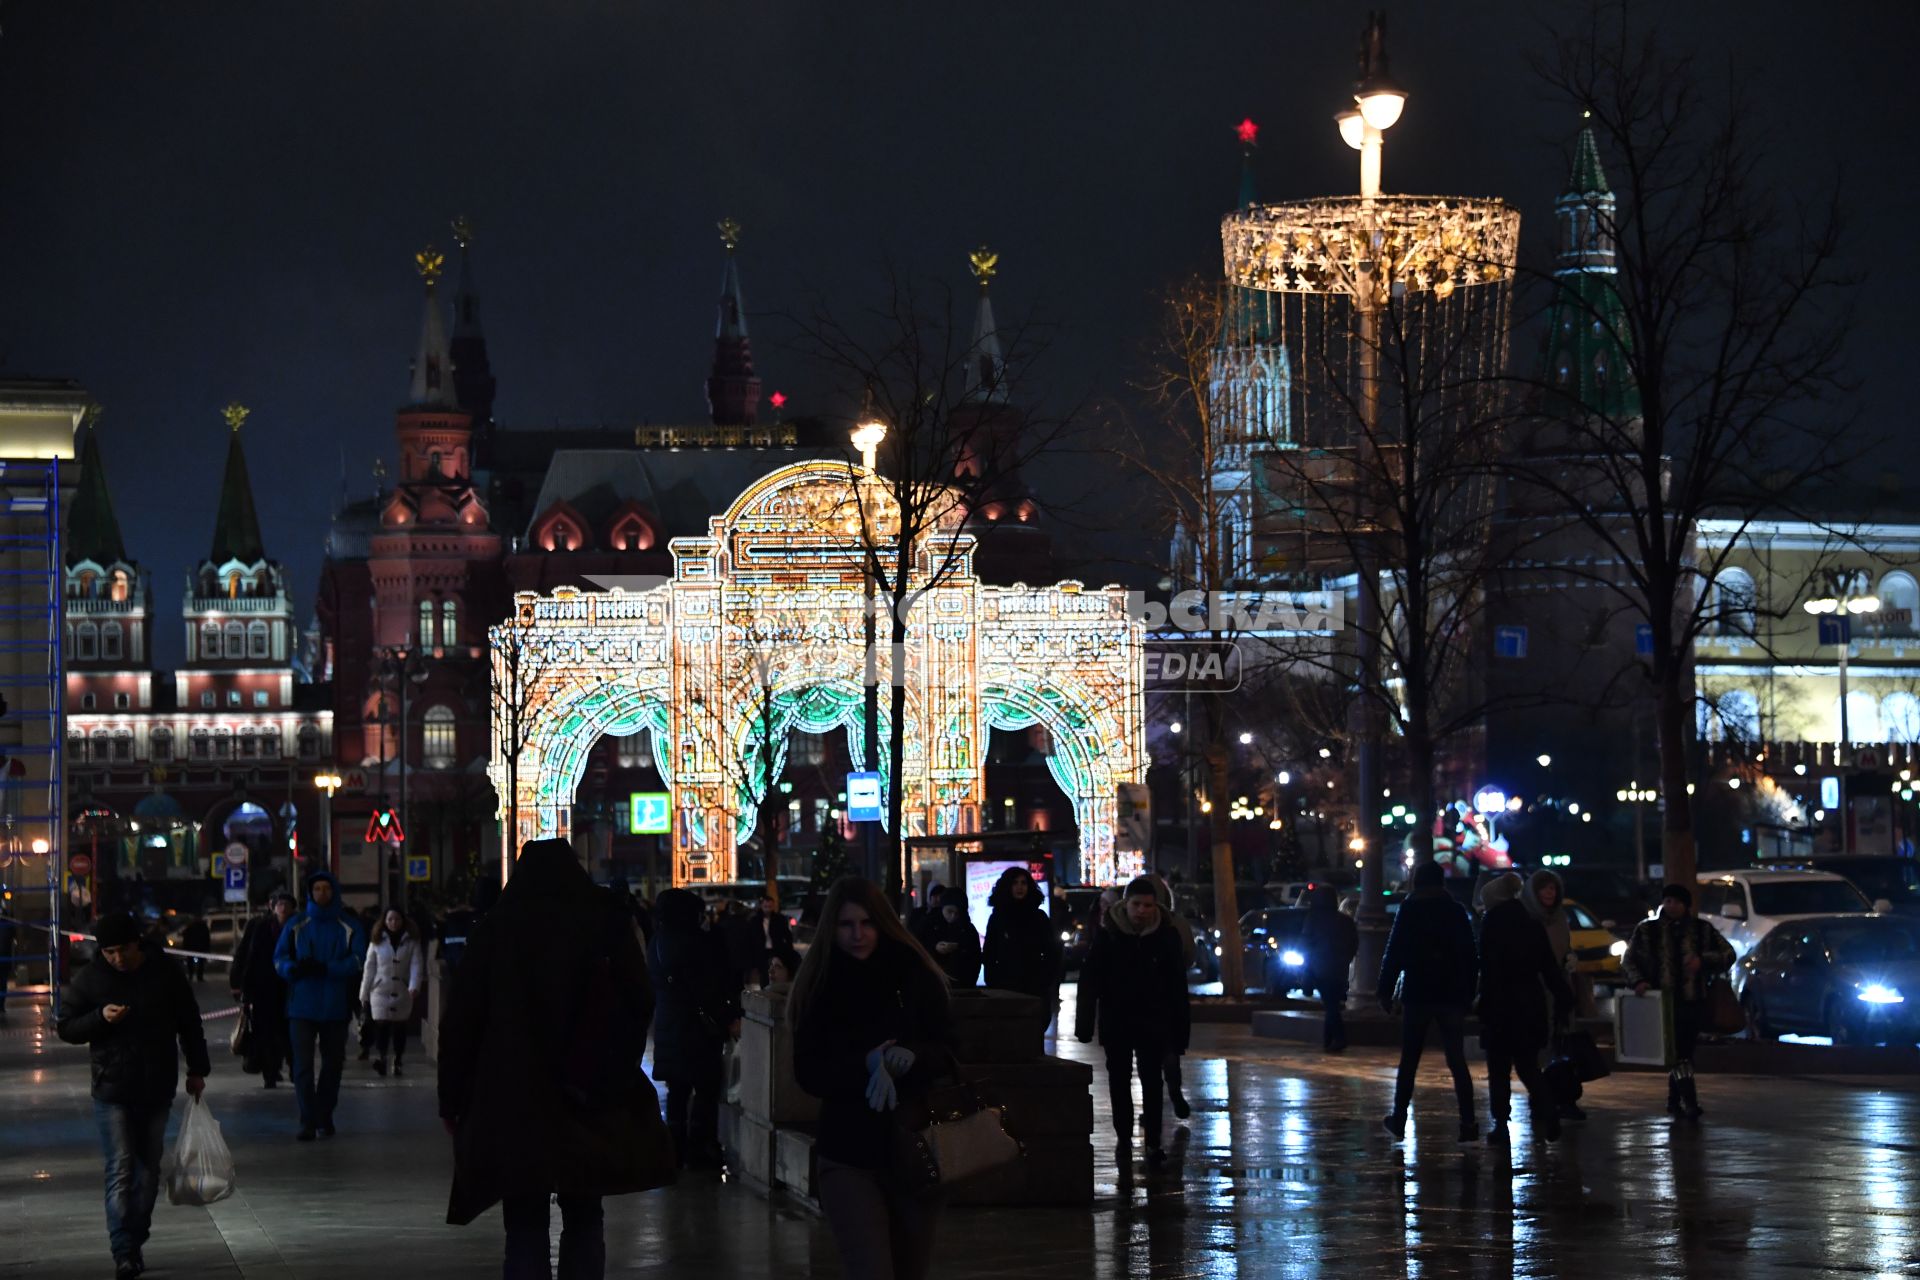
{"x": 1509, "y": 642}
{"x": 235, "y": 880}
{"x": 863, "y": 797}
{"x": 1643, "y": 640}
{"x": 1836, "y": 628}
{"x": 419, "y": 867}
{"x": 650, "y": 813}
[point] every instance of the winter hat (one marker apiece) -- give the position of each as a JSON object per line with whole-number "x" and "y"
{"x": 1679, "y": 893}
{"x": 1142, "y": 886}
{"x": 1500, "y": 889}
{"x": 116, "y": 930}
{"x": 281, "y": 895}
{"x": 1429, "y": 875}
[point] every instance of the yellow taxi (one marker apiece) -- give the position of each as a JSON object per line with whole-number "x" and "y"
{"x": 1596, "y": 951}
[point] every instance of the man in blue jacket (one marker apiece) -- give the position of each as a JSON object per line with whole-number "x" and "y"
{"x": 319, "y": 954}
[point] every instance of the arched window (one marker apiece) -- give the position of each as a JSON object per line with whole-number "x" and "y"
{"x": 102, "y": 746}
{"x": 202, "y": 744}
{"x": 122, "y": 587}
{"x": 233, "y": 586}
{"x": 1231, "y": 537}
{"x": 1863, "y": 718}
{"x": 1899, "y": 603}
{"x": 123, "y": 745}
{"x": 437, "y": 738}
{"x": 270, "y": 743}
{"x": 86, "y": 641}
{"x": 209, "y": 640}
{"x": 1900, "y": 717}
{"x": 88, "y": 702}
{"x": 76, "y": 745}
{"x": 1731, "y": 604}
{"x": 309, "y": 738}
{"x": 631, "y": 751}
{"x": 257, "y": 640}
{"x": 160, "y": 743}
{"x": 223, "y": 744}
{"x": 426, "y": 624}
{"x": 110, "y": 638}
{"x": 449, "y": 623}
{"x": 236, "y": 639}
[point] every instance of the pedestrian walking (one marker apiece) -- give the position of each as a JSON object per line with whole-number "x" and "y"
{"x": 6, "y": 957}
{"x": 261, "y": 992}
{"x": 1331, "y": 941}
{"x": 1678, "y": 954}
{"x": 319, "y": 955}
{"x": 1432, "y": 962}
{"x": 1183, "y": 931}
{"x": 696, "y": 1011}
{"x": 872, "y": 1030}
{"x": 197, "y": 937}
{"x": 1545, "y": 901}
{"x": 390, "y": 983}
{"x": 134, "y": 1009}
{"x": 1133, "y": 989}
{"x": 1523, "y": 996}
{"x": 955, "y": 943}
{"x": 1022, "y": 951}
{"x": 540, "y": 1077}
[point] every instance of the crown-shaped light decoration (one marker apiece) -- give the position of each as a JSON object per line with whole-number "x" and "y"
{"x": 236, "y": 415}
{"x": 985, "y": 264}
{"x": 729, "y": 233}
{"x": 430, "y": 262}
{"x": 463, "y": 231}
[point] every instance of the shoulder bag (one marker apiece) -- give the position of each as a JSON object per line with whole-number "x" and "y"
{"x": 950, "y": 1137}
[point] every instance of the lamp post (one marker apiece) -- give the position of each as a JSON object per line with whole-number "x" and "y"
{"x": 327, "y": 784}
{"x": 406, "y": 668}
{"x": 1847, "y": 594}
{"x": 867, "y": 435}
{"x": 1378, "y": 102}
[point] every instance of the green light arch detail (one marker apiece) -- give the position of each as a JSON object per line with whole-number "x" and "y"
{"x": 815, "y": 706}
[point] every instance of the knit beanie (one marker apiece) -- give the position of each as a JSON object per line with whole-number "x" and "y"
{"x": 116, "y": 930}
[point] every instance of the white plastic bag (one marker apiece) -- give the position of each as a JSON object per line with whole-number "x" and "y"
{"x": 200, "y": 1170}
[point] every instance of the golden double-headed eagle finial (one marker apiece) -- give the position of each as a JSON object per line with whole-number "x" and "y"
{"x": 236, "y": 415}
{"x": 985, "y": 263}
{"x": 729, "y": 233}
{"x": 463, "y": 231}
{"x": 430, "y": 262}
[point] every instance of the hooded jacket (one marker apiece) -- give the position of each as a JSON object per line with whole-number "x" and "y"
{"x": 1432, "y": 946}
{"x": 1133, "y": 986}
{"x": 1559, "y": 928}
{"x": 395, "y": 971}
{"x": 1330, "y": 939}
{"x": 1023, "y": 949}
{"x": 328, "y": 937}
{"x": 1523, "y": 991}
{"x": 134, "y": 1060}
{"x": 553, "y": 995}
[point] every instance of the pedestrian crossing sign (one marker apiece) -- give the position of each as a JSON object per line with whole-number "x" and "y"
{"x": 650, "y": 813}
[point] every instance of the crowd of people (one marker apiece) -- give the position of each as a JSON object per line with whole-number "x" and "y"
{"x": 552, "y": 987}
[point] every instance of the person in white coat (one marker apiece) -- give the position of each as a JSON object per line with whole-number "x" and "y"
{"x": 391, "y": 979}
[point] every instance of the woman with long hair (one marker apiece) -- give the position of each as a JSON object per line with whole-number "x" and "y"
{"x": 871, "y": 1029}
{"x": 389, "y": 984}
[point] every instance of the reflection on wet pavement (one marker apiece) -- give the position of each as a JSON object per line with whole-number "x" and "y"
{"x": 1283, "y": 1171}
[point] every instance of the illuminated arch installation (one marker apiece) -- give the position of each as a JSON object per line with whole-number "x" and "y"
{"x": 760, "y": 628}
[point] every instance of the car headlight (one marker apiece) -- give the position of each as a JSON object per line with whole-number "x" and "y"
{"x": 1065, "y": 936}
{"x": 1216, "y": 933}
{"x": 1217, "y": 950}
{"x": 1619, "y": 948}
{"x": 1292, "y": 959}
{"x": 1880, "y": 993}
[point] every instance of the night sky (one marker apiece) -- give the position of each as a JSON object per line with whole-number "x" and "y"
{"x": 203, "y": 200}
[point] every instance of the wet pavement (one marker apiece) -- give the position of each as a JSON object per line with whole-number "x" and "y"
{"x": 1283, "y": 1171}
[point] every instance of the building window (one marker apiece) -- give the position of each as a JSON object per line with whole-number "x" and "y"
{"x": 1863, "y": 719}
{"x": 233, "y": 697}
{"x": 309, "y": 742}
{"x": 76, "y": 746}
{"x": 1899, "y": 603}
{"x": 437, "y": 738}
{"x": 122, "y": 701}
{"x": 236, "y": 639}
{"x": 259, "y": 697}
{"x": 270, "y": 744}
{"x": 631, "y": 751}
{"x": 87, "y": 702}
{"x": 86, "y": 641}
{"x": 807, "y": 750}
{"x": 1731, "y": 604}
{"x": 257, "y": 640}
{"x": 449, "y": 623}
{"x": 110, "y": 640}
{"x": 209, "y": 640}
{"x": 123, "y": 746}
{"x": 122, "y": 586}
{"x": 820, "y": 813}
{"x": 202, "y": 745}
{"x": 206, "y": 699}
{"x": 160, "y": 744}
{"x": 426, "y": 624}
{"x": 102, "y": 746}
{"x": 248, "y": 744}
{"x": 223, "y": 744}
{"x": 1900, "y": 717}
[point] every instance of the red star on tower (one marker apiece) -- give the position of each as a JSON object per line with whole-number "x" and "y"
{"x": 1247, "y": 131}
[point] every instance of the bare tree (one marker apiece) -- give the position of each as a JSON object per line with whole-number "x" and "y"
{"x": 515, "y": 695}
{"x": 1725, "y": 313}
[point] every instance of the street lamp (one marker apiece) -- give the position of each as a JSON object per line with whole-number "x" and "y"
{"x": 327, "y": 783}
{"x": 1847, "y": 593}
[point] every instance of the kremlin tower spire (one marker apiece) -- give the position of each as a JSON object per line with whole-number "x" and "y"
{"x": 986, "y": 362}
{"x": 236, "y": 529}
{"x": 473, "y": 385}
{"x": 1587, "y": 331}
{"x": 733, "y": 391}
{"x": 1251, "y": 372}
{"x": 432, "y": 363}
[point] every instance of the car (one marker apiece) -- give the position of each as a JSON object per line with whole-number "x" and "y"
{"x": 1853, "y": 978}
{"x": 1745, "y": 906}
{"x": 1613, "y": 897}
{"x": 1079, "y": 920}
{"x": 1206, "y": 955}
{"x": 1894, "y": 882}
{"x": 1275, "y": 957}
{"x": 1596, "y": 949}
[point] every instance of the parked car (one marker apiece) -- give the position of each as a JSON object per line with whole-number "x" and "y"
{"x": 1206, "y": 955}
{"x": 1596, "y": 949}
{"x": 1079, "y": 921}
{"x": 1746, "y": 905}
{"x": 1615, "y": 899}
{"x": 1275, "y": 958}
{"x": 1882, "y": 877}
{"x": 1851, "y": 977}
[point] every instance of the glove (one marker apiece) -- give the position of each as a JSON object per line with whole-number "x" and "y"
{"x": 308, "y": 968}
{"x": 881, "y": 1093}
{"x": 897, "y": 1060}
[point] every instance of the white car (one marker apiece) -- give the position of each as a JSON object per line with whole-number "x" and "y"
{"x": 1746, "y": 905}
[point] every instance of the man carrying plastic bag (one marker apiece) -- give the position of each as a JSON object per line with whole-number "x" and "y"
{"x": 131, "y": 1007}
{"x": 201, "y": 1170}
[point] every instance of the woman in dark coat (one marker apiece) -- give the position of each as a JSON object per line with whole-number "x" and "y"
{"x": 1523, "y": 996}
{"x": 540, "y": 1078}
{"x": 871, "y": 1032}
{"x": 697, "y": 1008}
{"x": 955, "y": 943}
{"x": 1331, "y": 941}
{"x": 1023, "y": 950}
{"x": 1133, "y": 988}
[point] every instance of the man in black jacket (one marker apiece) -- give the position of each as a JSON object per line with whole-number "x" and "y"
{"x": 1331, "y": 940}
{"x": 1432, "y": 957}
{"x": 131, "y": 1006}
{"x": 258, "y": 986}
{"x": 1133, "y": 989}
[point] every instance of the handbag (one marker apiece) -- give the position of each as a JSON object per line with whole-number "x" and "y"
{"x": 1588, "y": 1063}
{"x": 241, "y": 1042}
{"x": 1725, "y": 1016}
{"x": 950, "y": 1138}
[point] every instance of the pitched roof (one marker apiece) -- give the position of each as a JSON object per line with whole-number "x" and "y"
{"x": 681, "y": 489}
{"x": 236, "y": 528}
{"x": 1588, "y": 177}
{"x": 93, "y": 533}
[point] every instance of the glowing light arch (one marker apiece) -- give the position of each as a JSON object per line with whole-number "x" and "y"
{"x": 769, "y": 606}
